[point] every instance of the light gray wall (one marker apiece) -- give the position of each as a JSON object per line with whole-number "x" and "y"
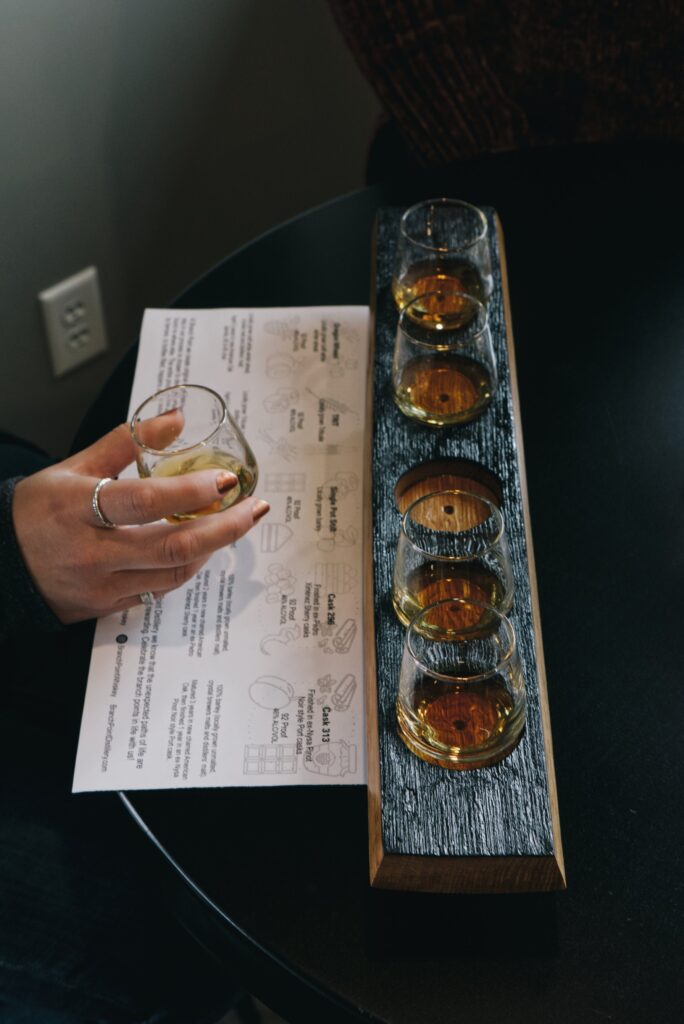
{"x": 151, "y": 138}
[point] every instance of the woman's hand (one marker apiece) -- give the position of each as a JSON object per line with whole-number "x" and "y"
{"x": 83, "y": 570}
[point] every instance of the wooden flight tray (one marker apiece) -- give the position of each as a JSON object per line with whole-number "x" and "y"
{"x": 492, "y": 829}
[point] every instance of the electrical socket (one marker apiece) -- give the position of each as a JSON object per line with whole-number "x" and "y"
{"x": 74, "y": 321}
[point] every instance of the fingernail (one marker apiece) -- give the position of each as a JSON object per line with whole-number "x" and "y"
{"x": 169, "y": 411}
{"x": 225, "y": 482}
{"x": 259, "y": 509}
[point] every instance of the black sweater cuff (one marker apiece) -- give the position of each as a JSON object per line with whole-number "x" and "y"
{"x": 21, "y": 606}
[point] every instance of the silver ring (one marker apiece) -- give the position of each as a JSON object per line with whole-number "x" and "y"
{"x": 147, "y": 598}
{"x": 95, "y": 502}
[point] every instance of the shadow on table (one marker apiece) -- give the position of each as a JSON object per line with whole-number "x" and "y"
{"x": 428, "y": 927}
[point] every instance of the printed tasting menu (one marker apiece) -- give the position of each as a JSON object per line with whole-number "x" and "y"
{"x": 251, "y": 674}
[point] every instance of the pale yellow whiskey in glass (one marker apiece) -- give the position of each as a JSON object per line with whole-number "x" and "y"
{"x": 452, "y": 544}
{"x": 450, "y": 275}
{"x": 458, "y": 718}
{"x": 187, "y": 428}
{"x": 443, "y": 369}
{"x": 461, "y": 701}
{"x": 443, "y": 388}
{"x": 179, "y": 465}
{"x": 443, "y": 244}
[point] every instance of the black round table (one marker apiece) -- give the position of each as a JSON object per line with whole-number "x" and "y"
{"x": 276, "y": 881}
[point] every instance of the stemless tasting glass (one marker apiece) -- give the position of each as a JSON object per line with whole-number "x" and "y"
{"x": 197, "y": 433}
{"x": 461, "y": 701}
{"x": 444, "y": 370}
{"x": 452, "y": 544}
{"x": 442, "y": 243}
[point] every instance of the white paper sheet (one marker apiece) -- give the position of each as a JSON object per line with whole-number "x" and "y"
{"x": 252, "y": 673}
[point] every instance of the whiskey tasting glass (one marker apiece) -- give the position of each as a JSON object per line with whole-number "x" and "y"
{"x": 197, "y": 432}
{"x": 442, "y": 244}
{"x": 461, "y": 701}
{"x": 451, "y": 544}
{"x": 444, "y": 369}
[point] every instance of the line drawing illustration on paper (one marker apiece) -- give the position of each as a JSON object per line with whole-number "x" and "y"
{"x": 338, "y": 694}
{"x": 280, "y": 400}
{"x": 273, "y": 536}
{"x": 331, "y": 403}
{"x": 270, "y": 759}
{"x": 284, "y": 636}
{"x": 343, "y": 639}
{"x": 279, "y": 446}
{"x": 282, "y": 364}
{"x": 340, "y": 539}
{"x": 335, "y": 577}
{"x": 344, "y": 693}
{"x": 284, "y": 483}
{"x": 344, "y": 481}
{"x": 271, "y": 692}
{"x": 279, "y": 580}
{"x": 336, "y": 758}
{"x": 326, "y": 684}
{"x": 282, "y": 328}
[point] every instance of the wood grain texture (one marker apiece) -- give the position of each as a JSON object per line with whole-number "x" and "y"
{"x": 443, "y": 474}
{"x": 493, "y": 829}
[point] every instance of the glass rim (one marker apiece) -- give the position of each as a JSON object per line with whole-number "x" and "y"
{"x": 498, "y": 518}
{"x": 442, "y": 332}
{"x": 461, "y": 637}
{"x": 135, "y": 418}
{"x": 444, "y": 201}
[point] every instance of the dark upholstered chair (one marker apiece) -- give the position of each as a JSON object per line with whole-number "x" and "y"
{"x": 461, "y": 78}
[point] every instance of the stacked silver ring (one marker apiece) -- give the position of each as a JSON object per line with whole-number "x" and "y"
{"x": 97, "y": 511}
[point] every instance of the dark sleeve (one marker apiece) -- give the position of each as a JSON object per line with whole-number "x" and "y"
{"x": 21, "y": 605}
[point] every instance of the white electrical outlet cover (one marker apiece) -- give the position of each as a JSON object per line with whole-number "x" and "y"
{"x": 74, "y": 321}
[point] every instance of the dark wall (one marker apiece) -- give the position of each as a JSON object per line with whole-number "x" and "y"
{"x": 150, "y": 139}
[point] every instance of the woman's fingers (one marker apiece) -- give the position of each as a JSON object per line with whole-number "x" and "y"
{"x": 130, "y": 601}
{"x": 79, "y": 567}
{"x": 128, "y": 585}
{"x": 163, "y": 558}
{"x": 117, "y": 449}
{"x": 107, "y": 457}
{"x": 159, "y": 431}
{"x": 155, "y": 559}
{"x": 133, "y": 502}
{"x": 159, "y": 546}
